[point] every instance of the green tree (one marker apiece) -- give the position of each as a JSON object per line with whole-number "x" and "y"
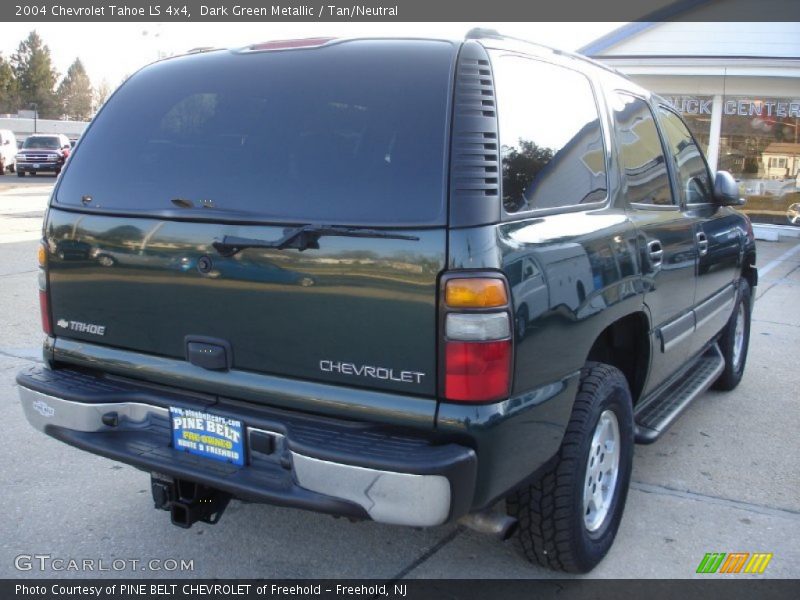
{"x": 9, "y": 91}
{"x": 520, "y": 166}
{"x": 36, "y": 77}
{"x": 75, "y": 93}
{"x": 101, "y": 94}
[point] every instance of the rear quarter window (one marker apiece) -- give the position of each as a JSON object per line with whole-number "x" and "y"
{"x": 551, "y": 140}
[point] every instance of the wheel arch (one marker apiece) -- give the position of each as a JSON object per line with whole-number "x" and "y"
{"x": 749, "y": 271}
{"x": 625, "y": 344}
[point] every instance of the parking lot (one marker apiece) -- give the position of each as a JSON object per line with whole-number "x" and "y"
{"x": 723, "y": 479}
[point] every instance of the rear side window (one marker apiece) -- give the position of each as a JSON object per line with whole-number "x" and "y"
{"x": 550, "y": 135}
{"x": 353, "y": 133}
{"x": 641, "y": 154}
{"x": 690, "y": 166}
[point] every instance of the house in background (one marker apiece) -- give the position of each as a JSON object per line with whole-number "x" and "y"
{"x": 781, "y": 160}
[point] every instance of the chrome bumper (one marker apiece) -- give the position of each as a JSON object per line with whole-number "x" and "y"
{"x": 386, "y": 496}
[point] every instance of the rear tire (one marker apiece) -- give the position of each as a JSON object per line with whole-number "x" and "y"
{"x": 20, "y": 173}
{"x": 735, "y": 339}
{"x": 559, "y": 527}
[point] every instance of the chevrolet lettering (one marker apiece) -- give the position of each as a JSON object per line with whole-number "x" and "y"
{"x": 332, "y": 366}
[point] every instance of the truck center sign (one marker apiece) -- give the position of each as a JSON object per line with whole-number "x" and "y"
{"x": 765, "y": 107}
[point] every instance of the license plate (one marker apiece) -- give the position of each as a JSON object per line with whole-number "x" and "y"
{"x": 204, "y": 434}
{"x": 36, "y": 165}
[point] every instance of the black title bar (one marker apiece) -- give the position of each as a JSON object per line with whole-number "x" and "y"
{"x": 398, "y": 10}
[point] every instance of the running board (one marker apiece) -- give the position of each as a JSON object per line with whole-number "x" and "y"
{"x": 656, "y": 415}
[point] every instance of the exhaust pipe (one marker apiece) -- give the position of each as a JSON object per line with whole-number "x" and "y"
{"x": 491, "y": 522}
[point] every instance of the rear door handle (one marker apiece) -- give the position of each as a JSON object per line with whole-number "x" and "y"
{"x": 702, "y": 243}
{"x": 655, "y": 252}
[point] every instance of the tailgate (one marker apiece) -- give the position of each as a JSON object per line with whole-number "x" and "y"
{"x": 355, "y": 311}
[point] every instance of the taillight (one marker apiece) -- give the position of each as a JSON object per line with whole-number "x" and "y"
{"x": 477, "y": 292}
{"x": 44, "y": 297}
{"x": 478, "y": 343}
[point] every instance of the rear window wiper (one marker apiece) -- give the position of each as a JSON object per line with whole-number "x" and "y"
{"x": 302, "y": 238}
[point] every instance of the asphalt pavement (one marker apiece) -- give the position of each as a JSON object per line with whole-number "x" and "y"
{"x": 725, "y": 478}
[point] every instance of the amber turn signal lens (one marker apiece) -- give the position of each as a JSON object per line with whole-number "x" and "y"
{"x": 42, "y": 255}
{"x": 475, "y": 293}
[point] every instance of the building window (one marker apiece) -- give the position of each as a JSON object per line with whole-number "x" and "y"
{"x": 760, "y": 146}
{"x": 777, "y": 163}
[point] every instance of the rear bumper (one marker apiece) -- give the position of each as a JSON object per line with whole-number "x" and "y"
{"x": 321, "y": 464}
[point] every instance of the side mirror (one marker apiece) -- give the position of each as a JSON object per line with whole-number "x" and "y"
{"x": 726, "y": 190}
{"x": 6, "y": 143}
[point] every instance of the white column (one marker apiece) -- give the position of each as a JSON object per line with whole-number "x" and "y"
{"x": 714, "y": 134}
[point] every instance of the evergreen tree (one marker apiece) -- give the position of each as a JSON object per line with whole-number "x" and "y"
{"x": 9, "y": 91}
{"x": 101, "y": 94}
{"x": 75, "y": 93}
{"x": 36, "y": 76}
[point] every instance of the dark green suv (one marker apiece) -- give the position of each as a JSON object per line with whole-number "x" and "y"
{"x": 399, "y": 280}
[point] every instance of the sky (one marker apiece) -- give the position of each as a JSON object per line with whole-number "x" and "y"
{"x": 112, "y": 51}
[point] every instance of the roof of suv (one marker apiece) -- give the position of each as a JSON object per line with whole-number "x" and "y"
{"x": 488, "y": 38}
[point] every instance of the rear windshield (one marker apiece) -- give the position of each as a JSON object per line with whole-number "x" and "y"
{"x": 354, "y": 133}
{"x": 49, "y": 143}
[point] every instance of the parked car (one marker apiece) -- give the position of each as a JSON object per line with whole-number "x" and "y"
{"x": 431, "y": 189}
{"x": 8, "y": 151}
{"x": 793, "y": 214}
{"x": 68, "y": 249}
{"x": 43, "y": 153}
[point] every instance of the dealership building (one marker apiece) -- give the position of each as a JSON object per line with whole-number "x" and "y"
{"x": 738, "y": 87}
